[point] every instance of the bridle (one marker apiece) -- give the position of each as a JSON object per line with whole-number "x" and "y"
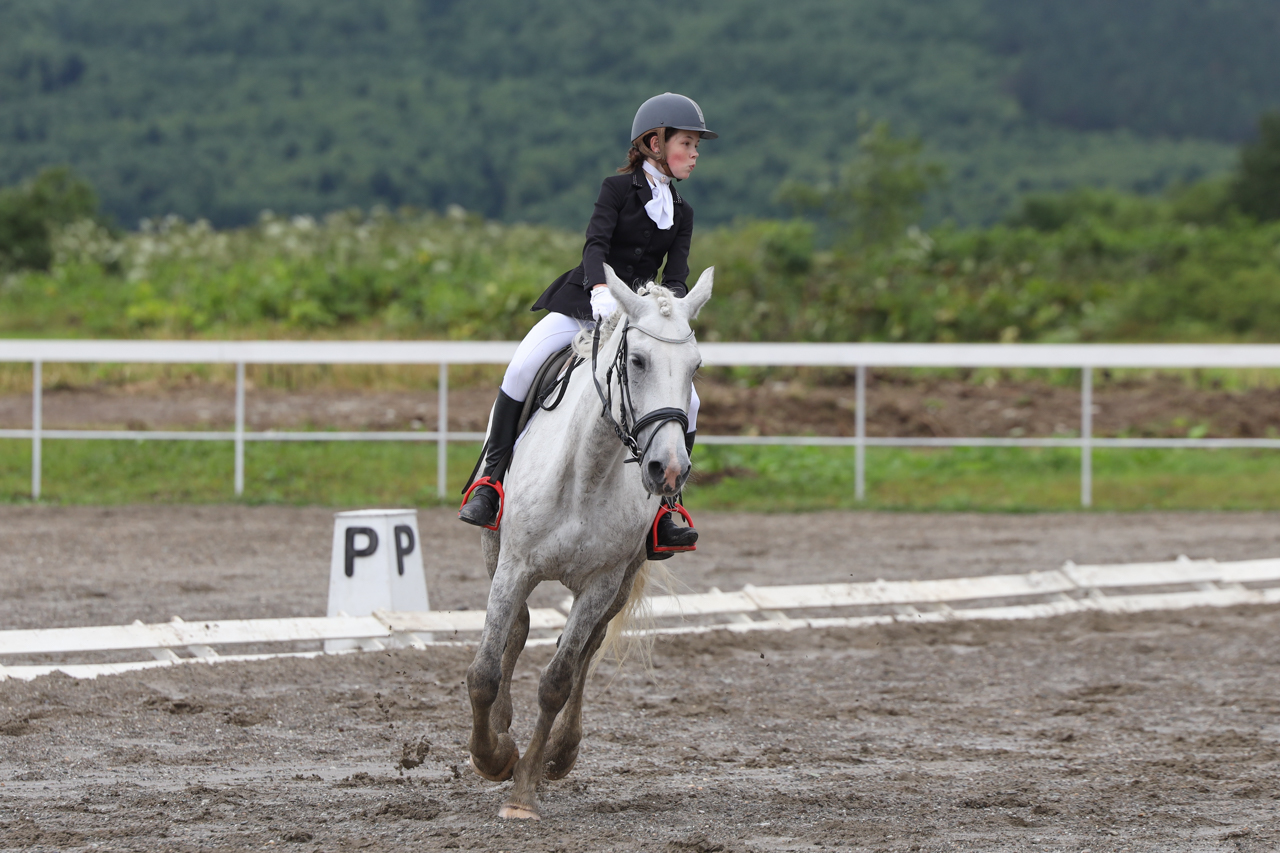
{"x": 628, "y": 431}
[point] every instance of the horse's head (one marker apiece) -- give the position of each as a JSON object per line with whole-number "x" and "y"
{"x": 662, "y": 357}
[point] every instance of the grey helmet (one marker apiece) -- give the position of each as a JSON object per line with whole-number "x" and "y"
{"x": 669, "y": 110}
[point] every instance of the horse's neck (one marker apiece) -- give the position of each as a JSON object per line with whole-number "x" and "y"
{"x": 594, "y": 447}
{"x": 577, "y": 451}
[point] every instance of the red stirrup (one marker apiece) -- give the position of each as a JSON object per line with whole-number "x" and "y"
{"x": 663, "y": 510}
{"x": 502, "y": 499}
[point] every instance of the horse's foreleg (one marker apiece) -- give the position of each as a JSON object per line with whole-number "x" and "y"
{"x": 562, "y": 751}
{"x": 493, "y": 751}
{"x": 563, "y": 678}
{"x": 553, "y": 692}
{"x": 566, "y": 734}
{"x": 501, "y": 713}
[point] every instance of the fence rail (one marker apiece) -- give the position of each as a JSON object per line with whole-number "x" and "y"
{"x": 1085, "y": 357}
{"x": 1132, "y": 588}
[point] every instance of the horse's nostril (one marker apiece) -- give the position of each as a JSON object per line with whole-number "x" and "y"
{"x": 656, "y": 472}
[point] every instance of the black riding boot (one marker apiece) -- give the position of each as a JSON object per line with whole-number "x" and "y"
{"x": 482, "y": 506}
{"x": 670, "y": 535}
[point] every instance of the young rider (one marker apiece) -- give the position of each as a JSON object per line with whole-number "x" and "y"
{"x": 639, "y": 220}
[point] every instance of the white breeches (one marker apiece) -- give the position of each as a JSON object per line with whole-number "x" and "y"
{"x": 551, "y": 333}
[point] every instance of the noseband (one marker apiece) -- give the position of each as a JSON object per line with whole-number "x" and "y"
{"x": 628, "y": 431}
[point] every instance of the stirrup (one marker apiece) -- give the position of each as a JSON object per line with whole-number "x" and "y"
{"x": 502, "y": 499}
{"x": 665, "y": 509}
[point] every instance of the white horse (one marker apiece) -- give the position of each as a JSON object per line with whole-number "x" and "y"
{"x": 576, "y": 513}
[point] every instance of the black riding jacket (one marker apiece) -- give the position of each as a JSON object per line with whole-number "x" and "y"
{"x": 622, "y": 235}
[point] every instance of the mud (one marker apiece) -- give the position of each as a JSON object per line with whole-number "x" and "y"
{"x": 1153, "y": 732}
{"x": 896, "y": 406}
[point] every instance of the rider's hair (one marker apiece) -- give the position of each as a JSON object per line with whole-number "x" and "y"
{"x": 636, "y": 157}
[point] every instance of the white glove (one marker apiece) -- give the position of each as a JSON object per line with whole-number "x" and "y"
{"x": 602, "y": 304}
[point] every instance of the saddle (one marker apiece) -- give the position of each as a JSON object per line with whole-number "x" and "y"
{"x": 552, "y": 378}
{"x": 554, "y": 373}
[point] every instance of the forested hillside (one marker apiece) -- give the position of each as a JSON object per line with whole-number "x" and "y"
{"x": 1176, "y": 68}
{"x": 223, "y": 108}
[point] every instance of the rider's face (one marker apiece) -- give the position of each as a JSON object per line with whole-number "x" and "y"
{"x": 682, "y": 153}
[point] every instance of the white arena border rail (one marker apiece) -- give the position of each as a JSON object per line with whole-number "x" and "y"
{"x": 1117, "y": 589}
{"x": 1086, "y": 357}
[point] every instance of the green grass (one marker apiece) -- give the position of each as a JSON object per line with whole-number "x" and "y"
{"x": 762, "y": 479}
{"x": 316, "y": 473}
{"x": 987, "y": 479}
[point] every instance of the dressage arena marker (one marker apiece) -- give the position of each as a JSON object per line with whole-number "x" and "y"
{"x": 376, "y": 565}
{"x": 1123, "y": 588}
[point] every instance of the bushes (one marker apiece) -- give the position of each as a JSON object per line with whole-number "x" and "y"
{"x": 1087, "y": 267}
{"x": 30, "y": 211}
{"x": 408, "y": 276}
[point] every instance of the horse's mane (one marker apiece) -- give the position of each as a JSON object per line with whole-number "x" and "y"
{"x": 582, "y": 340}
{"x": 659, "y": 293}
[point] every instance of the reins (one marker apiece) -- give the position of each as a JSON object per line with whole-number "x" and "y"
{"x": 628, "y": 431}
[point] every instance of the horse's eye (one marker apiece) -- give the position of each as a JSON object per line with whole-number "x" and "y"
{"x": 637, "y": 362}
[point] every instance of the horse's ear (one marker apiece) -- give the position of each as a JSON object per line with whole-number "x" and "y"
{"x": 696, "y": 298}
{"x": 632, "y": 304}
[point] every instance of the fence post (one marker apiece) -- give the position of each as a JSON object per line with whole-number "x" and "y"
{"x": 1086, "y": 437}
{"x": 442, "y": 432}
{"x": 239, "y": 428}
{"x": 860, "y": 434}
{"x": 37, "y": 424}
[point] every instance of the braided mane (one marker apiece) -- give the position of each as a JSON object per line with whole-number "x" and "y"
{"x": 653, "y": 290}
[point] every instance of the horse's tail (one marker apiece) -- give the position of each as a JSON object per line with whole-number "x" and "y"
{"x": 631, "y": 631}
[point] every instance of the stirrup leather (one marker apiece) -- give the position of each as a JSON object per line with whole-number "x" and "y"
{"x": 502, "y": 499}
{"x": 653, "y": 532}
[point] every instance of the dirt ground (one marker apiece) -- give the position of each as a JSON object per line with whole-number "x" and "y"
{"x": 1157, "y": 732}
{"x": 896, "y": 406}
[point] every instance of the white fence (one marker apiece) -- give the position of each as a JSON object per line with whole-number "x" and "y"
{"x": 1086, "y": 357}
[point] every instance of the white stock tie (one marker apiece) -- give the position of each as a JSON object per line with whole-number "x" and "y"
{"x": 661, "y": 208}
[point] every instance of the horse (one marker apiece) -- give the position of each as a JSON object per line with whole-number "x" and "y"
{"x": 573, "y": 511}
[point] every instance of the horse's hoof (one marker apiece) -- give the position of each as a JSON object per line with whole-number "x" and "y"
{"x": 514, "y": 811}
{"x": 502, "y": 775}
{"x": 560, "y": 768}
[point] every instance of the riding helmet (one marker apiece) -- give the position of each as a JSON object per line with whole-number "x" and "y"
{"x": 669, "y": 110}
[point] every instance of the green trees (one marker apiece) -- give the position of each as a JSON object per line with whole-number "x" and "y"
{"x": 30, "y": 211}
{"x": 1256, "y": 188}
{"x": 877, "y": 194}
{"x": 219, "y": 110}
{"x": 1173, "y": 68}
